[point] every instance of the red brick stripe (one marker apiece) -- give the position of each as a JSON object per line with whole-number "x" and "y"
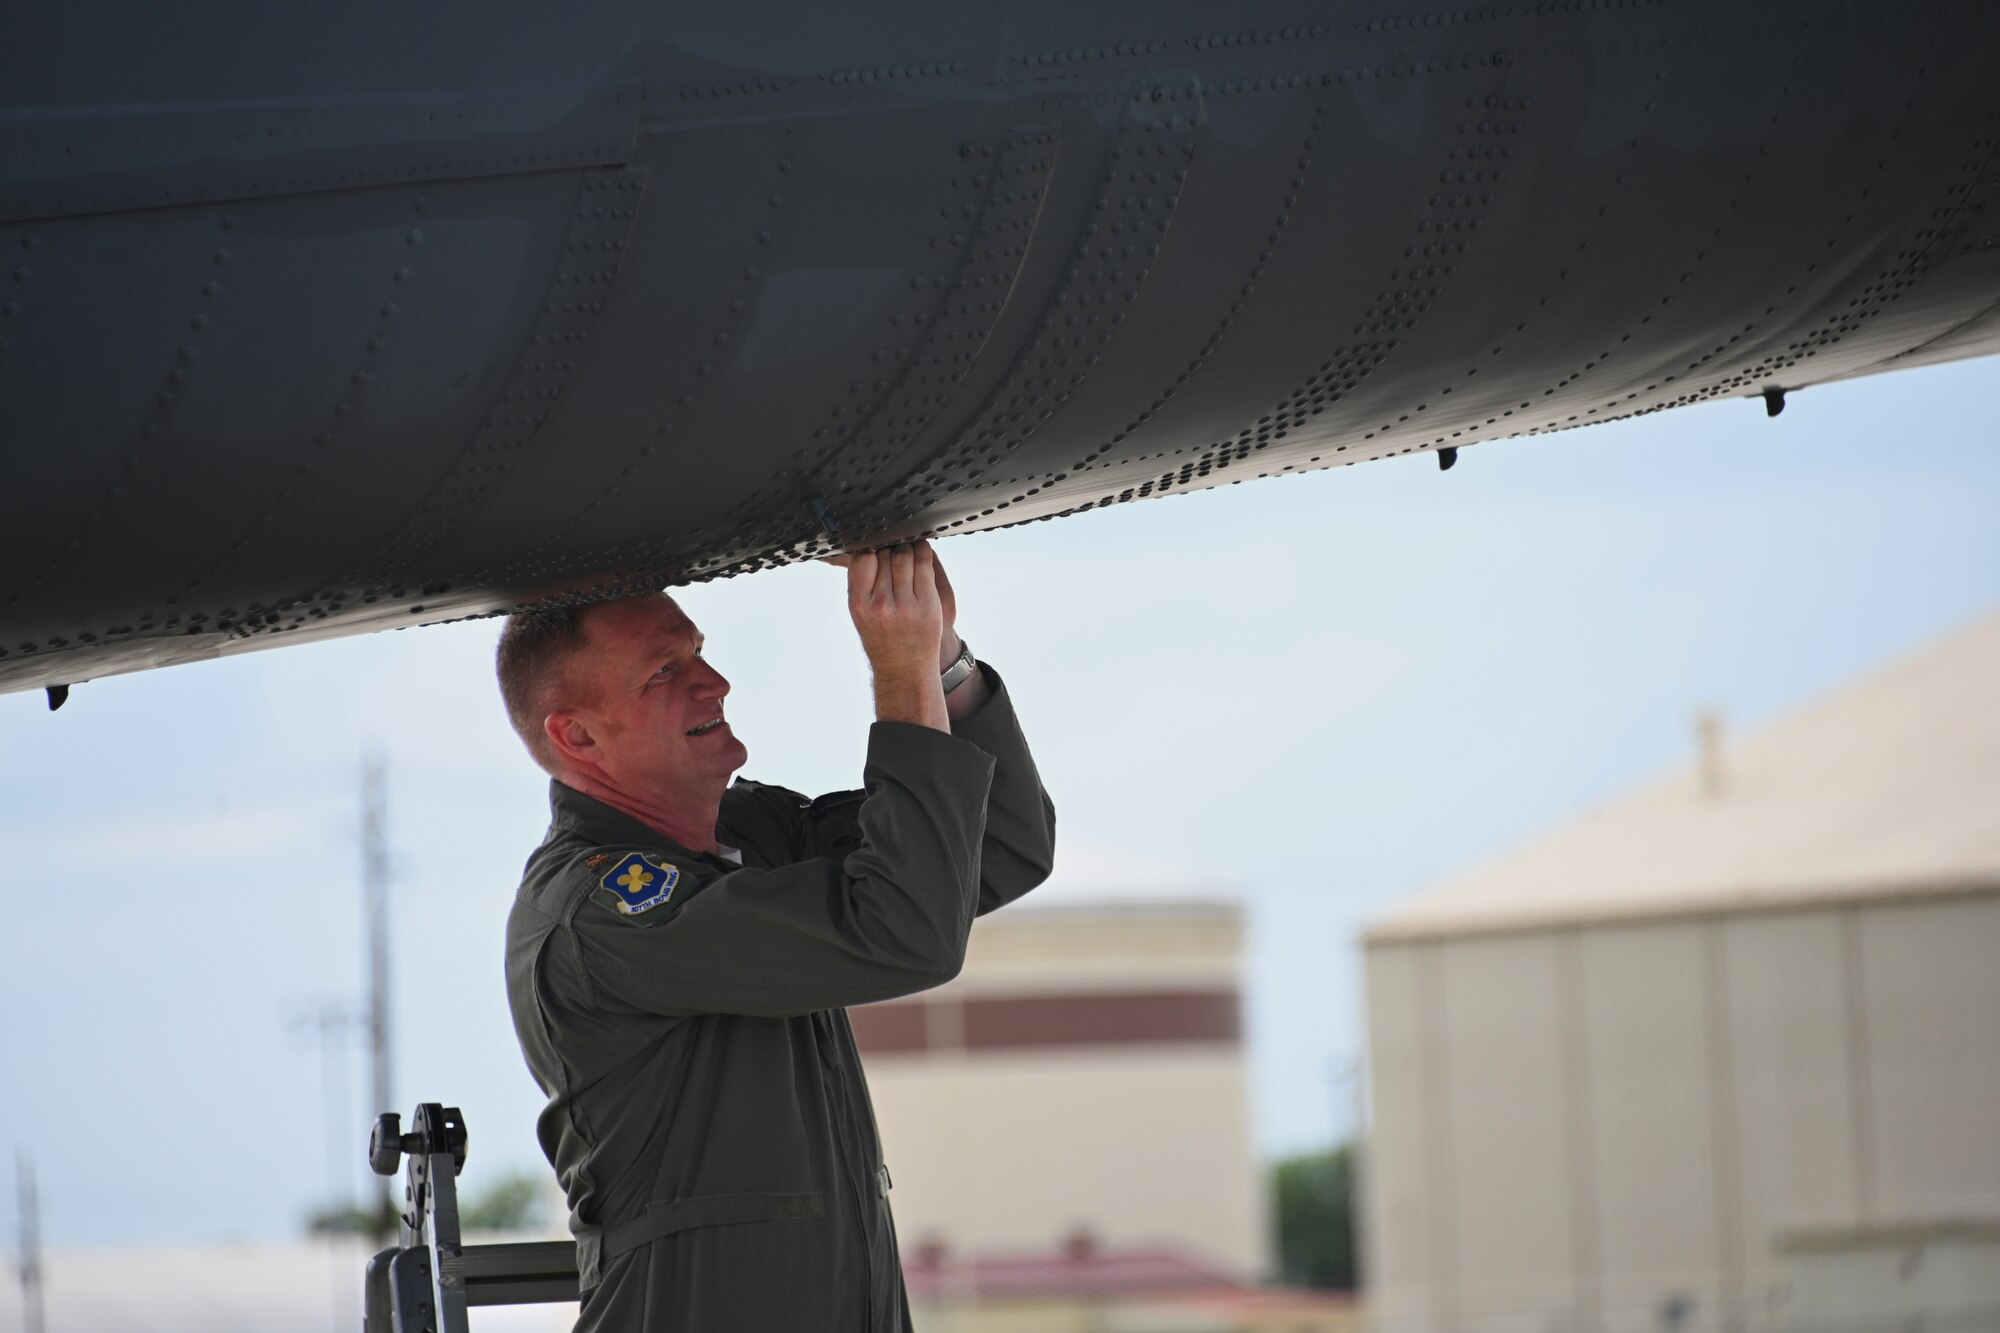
{"x": 1113, "y": 1019}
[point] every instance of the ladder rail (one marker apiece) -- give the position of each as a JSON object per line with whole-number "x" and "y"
{"x": 428, "y": 1282}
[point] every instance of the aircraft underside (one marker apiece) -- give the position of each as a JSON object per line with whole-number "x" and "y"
{"x": 311, "y": 325}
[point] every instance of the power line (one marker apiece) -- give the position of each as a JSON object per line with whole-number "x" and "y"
{"x": 332, "y": 1024}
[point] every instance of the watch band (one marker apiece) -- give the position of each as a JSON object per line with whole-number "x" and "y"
{"x": 961, "y": 669}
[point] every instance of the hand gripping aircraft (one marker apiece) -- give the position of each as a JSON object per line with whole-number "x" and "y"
{"x": 317, "y": 320}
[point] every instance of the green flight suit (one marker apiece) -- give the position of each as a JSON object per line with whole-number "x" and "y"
{"x": 707, "y": 1113}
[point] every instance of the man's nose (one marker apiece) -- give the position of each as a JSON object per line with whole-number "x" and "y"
{"x": 713, "y": 683}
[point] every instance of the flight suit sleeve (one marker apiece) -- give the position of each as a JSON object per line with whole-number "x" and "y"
{"x": 1020, "y": 844}
{"x": 887, "y": 919}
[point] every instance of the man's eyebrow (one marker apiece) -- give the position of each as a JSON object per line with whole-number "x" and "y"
{"x": 670, "y": 648}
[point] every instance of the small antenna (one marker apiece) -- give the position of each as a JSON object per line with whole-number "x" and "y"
{"x": 1708, "y": 741}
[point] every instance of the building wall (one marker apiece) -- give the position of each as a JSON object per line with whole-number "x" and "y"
{"x": 1927, "y": 983}
{"x": 1406, "y": 1181}
{"x": 1907, "y": 1278}
{"x": 1616, "y": 1127}
{"x": 1649, "y": 1080}
{"x": 1498, "y": 1005}
{"x": 1085, "y": 1071}
{"x": 1013, "y": 1152}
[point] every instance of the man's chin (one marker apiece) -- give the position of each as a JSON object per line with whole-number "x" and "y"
{"x": 719, "y": 743}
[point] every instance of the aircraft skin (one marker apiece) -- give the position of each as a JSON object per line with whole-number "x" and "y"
{"x": 316, "y": 320}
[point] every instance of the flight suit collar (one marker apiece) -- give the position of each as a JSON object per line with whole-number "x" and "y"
{"x": 597, "y": 822}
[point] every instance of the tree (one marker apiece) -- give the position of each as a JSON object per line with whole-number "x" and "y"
{"x": 1315, "y": 1205}
{"x": 511, "y": 1203}
{"x": 342, "y": 1220}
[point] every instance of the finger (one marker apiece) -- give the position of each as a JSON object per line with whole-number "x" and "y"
{"x": 885, "y": 576}
{"x": 924, "y": 576}
{"x": 946, "y": 597}
{"x": 838, "y": 561}
{"x": 904, "y": 562}
{"x": 860, "y": 579}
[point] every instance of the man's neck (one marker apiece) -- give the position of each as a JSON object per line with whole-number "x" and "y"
{"x": 690, "y": 823}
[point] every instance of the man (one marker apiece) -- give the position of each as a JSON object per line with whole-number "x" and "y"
{"x": 681, "y": 950}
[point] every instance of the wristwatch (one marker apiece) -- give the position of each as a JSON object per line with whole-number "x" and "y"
{"x": 961, "y": 669}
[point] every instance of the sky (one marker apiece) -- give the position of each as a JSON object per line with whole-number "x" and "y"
{"x": 1317, "y": 695}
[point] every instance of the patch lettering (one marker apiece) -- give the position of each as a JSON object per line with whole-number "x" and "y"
{"x": 640, "y": 883}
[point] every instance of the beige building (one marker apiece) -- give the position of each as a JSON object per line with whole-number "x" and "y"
{"x": 1723, "y": 1055}
{"x": 1085, "y": 1074}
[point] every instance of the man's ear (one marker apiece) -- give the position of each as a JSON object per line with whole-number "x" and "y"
{"x": 570, "y": 737}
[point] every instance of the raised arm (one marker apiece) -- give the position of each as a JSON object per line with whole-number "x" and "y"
{"x": 1019, "y": 848}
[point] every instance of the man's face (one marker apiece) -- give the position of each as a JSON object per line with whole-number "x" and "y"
{"x": 651, "y": 702}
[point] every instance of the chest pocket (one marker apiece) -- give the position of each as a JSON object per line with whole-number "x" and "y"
{"x": 835, "y": 824}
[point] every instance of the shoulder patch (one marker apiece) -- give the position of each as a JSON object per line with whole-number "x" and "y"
{"x": 639, "y": 882}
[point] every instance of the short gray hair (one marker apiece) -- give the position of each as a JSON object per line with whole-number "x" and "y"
{"x": 535, "y": 646}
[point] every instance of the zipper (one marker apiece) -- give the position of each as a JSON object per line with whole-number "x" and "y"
{"x": 840, "y": 1111}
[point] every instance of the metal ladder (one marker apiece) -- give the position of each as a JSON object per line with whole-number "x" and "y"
{"x": 427, "y": 1282}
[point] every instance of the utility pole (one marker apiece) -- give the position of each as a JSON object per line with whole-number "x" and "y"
{"x": 375, "y": 911}
{"x": 31, "y": 1245}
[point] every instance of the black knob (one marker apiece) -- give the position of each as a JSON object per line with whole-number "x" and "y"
{"x": 385, "y": 1144}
